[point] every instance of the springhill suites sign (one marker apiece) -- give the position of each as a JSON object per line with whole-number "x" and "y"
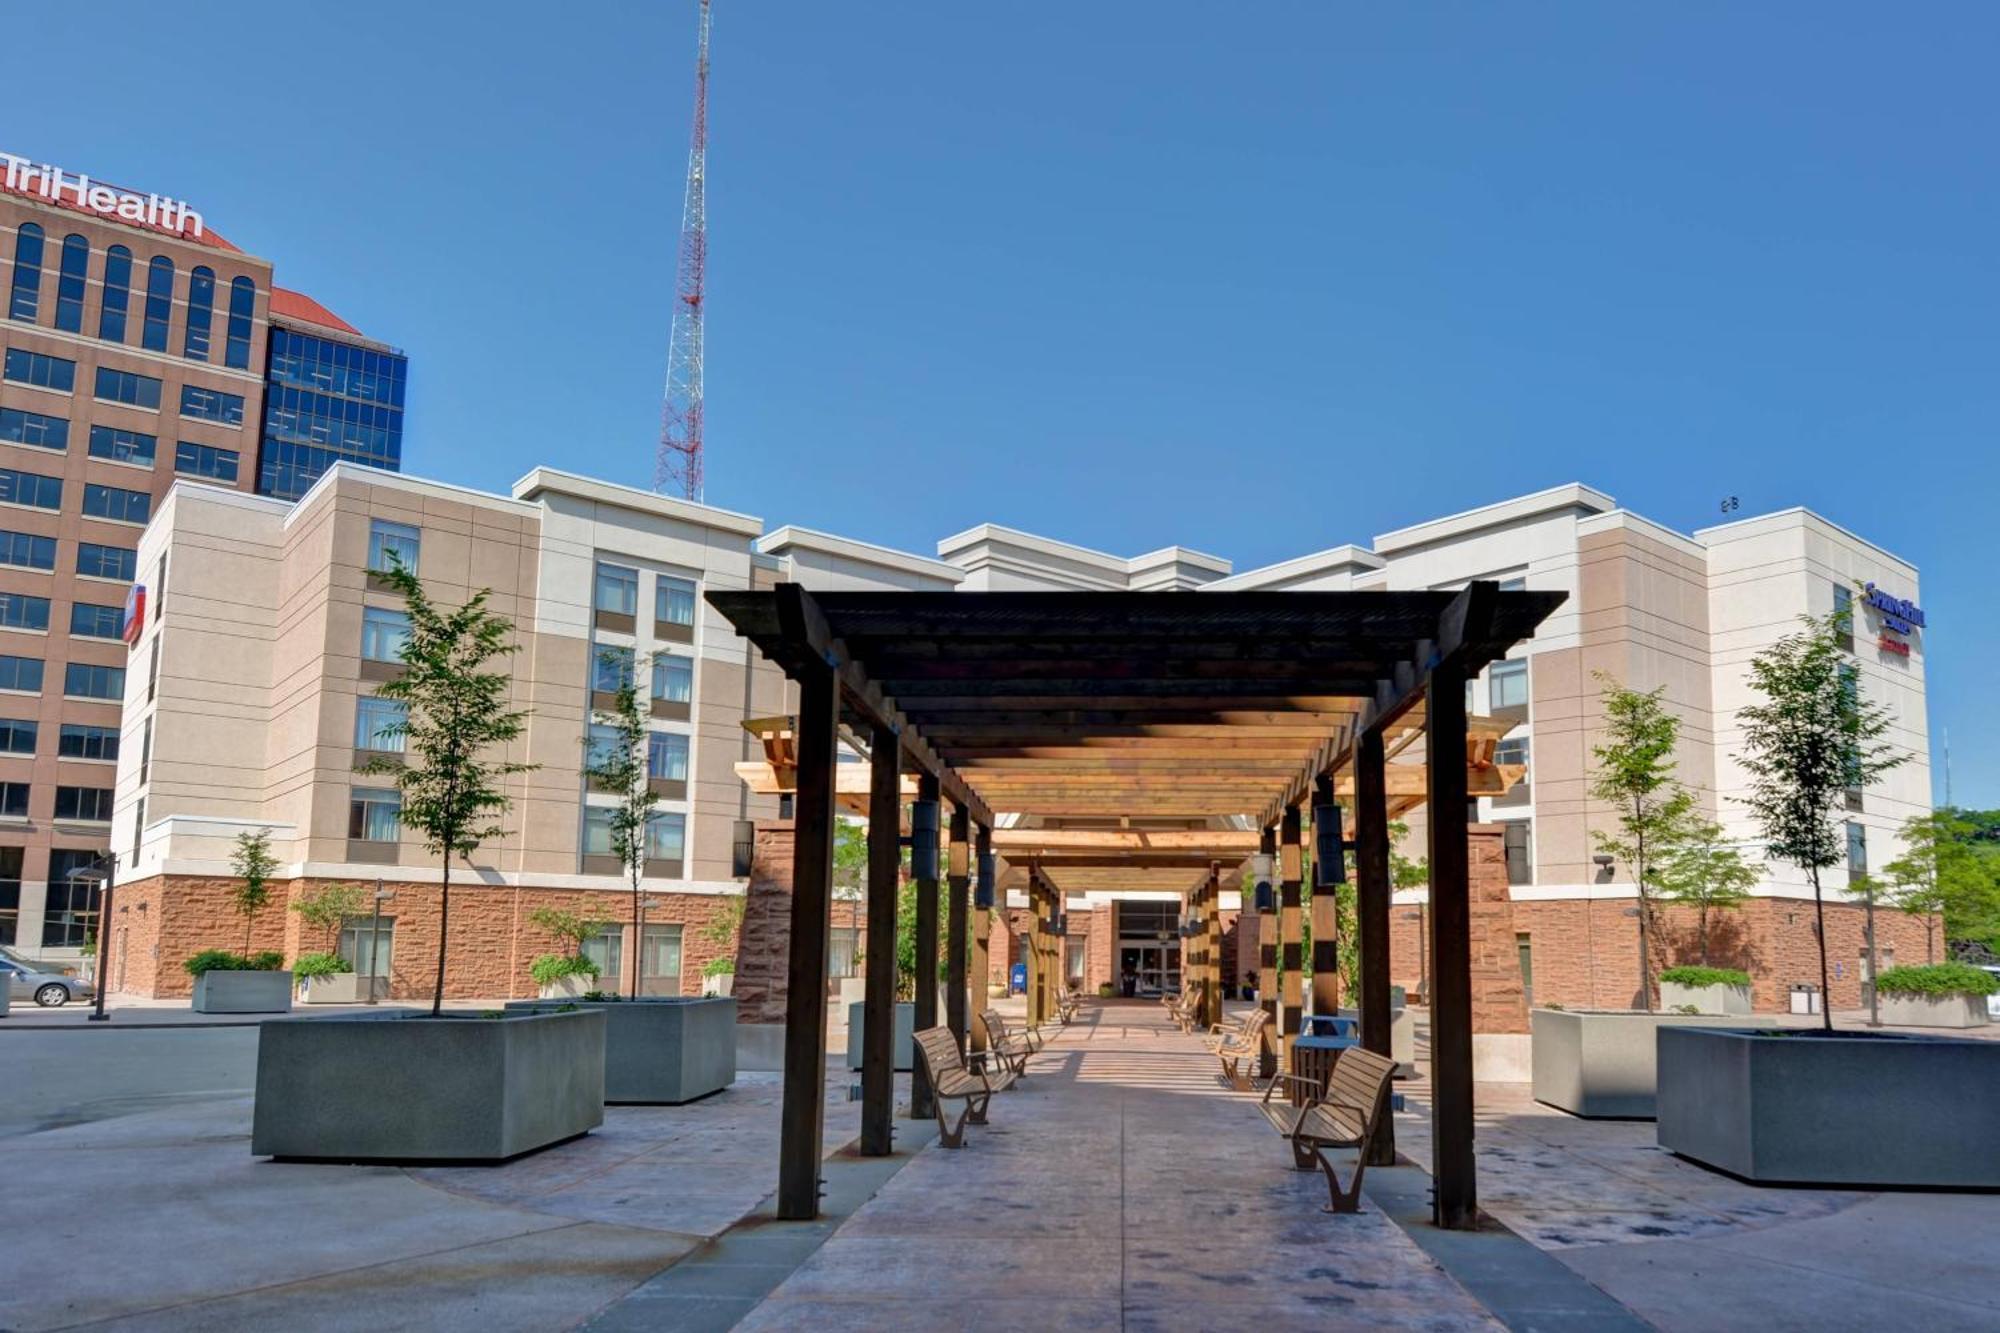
{"x": 55, "y": 184}
{"x": 1898, "y": 613}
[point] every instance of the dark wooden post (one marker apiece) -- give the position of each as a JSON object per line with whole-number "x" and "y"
{"x": 1291, "y": 941}
{"x": 1211, "y": 947}
{"x": 1325, "y": 916}
{"x": 982, "y": 943}
{"x": 878, "y": 1010}
{"x": 958, "y": 868}
{"x": 804, "y": 1098}
{"x": 926, "y": 1014}
{"x": 1267, "y": 960}
{"x": 1457, "y": 1198}
{"x": 1373, "y": 893}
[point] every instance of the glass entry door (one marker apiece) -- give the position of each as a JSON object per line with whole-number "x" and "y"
{"x": 660, "y": 961}
{"x": 1149, "y": 969}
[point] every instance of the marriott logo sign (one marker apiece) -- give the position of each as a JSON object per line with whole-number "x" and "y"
{"x": 53, "y": 183}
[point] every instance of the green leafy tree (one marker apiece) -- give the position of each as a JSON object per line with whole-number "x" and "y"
{"x": 1707, "y": 873}
{"x": 1941, "y": 876}
{"x": 328, "y": 907}
{"x": 850, "y": 860}
{"x": 456, "y": 729}
{"x": 253, "y": 863}
{"x": 1635, "y": 776}
{"x": 617, "y": 764}
{"x": 1814, "y": 736}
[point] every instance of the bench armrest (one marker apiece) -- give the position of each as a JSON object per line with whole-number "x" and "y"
{"x": 1299, "y": 1079}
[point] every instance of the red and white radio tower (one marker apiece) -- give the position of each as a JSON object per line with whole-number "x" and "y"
{"x": 678, "y": 468}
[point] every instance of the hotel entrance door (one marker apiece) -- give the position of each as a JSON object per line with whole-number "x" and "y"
{"x": 1149, "y": 969}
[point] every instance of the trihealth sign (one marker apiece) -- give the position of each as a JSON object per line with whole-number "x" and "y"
{"x": 1899, "y": 614}
{"x": 55, "y": 184}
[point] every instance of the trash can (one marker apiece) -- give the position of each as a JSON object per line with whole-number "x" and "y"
{"x": 1317, "y": 1047}
{"x": 1805, "y": 998}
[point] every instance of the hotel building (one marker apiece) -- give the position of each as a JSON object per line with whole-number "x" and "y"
{"x": 251, "y": 706}
{"x": 141, "y": 348}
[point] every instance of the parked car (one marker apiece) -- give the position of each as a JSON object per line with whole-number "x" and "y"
{"x": 1993, "y": 1000}
{"x": 50, "y": 985}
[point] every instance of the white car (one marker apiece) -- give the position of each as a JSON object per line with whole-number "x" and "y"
{"x": 1992, "y": 1000}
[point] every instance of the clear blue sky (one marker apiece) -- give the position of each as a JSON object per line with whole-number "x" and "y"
{"x": 1258, "y": 279}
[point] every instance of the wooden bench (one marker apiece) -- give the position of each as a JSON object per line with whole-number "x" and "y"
{"x": 1344, "y": 1114}
{"x": 952, "y": 1081}
{"x": 1013, "y": 1048}
{"x": 1239, "y": 1041}
{"x": 1067, "y": 1004}
{"x": 1181, "y": 1009}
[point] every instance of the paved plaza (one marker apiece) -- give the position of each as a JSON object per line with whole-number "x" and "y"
{"x": 1122, "y": 1186}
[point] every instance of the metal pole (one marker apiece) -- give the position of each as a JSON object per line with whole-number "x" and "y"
{"x": 375, "y": 942}
{"x": 1874, "y": 960}
{"x": 110, "y": 862}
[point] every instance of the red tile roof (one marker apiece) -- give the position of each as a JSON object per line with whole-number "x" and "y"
{"x": 288, "y": 304}
{"x": 67, "y": 202}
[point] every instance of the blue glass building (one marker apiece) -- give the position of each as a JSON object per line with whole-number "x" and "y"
{"x": 327, "y": 397}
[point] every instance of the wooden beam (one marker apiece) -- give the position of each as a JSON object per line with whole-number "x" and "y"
{"x": 801, "y": 1118}
{"x": 1081, "y": 692}
{"x": 1325, "y": 918}
{"x": 1267, "y": 958}
{"x": 1241, "y": 841}
{"x": 1456, "y": 1195}
{"x": 1291, "y": 936}
{"x": 981, "y": 967}
{"x": 958, "y": 867}
{"x": 878, "y": 1012}
{"x": 926, "y": 1014}
{"x": 1373, "y": 892}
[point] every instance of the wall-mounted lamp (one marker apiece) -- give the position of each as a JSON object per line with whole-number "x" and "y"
{"x": 924, "y": 841}
{"x": 1329, "y": 859}
{"x": 982, "y": 888}
{"x": 1604, "y": 862}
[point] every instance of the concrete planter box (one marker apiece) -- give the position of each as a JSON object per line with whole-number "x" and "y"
{"x": 849, "y": 991}
{"x": 243, "y": 993}
{"x": 397, "y": 1088}
{"x": 903, "y": 1046}
{"x": 1934, "y": 1011}
{"x": 571, "y": 988}
{"x": 1402, "y": 1037}
{"x": 341, "y": 988}
{"x": 661, "y": 1050}
{"x": 1706, "y": 999}
{"x": 723, "y": 984}
{"x": 1875, "y": 1109}
{"x": 1602, "y": 1062}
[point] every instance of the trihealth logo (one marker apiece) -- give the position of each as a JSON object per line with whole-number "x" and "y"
{"x": 53, "y": 183}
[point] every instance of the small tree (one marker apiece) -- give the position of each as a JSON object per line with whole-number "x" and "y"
{"x": 570, "y": 929}
{"x": 457, "y": 716}
{"x": 619, "y": 766}
{"x": 253, "y": 863}
{"x": 328, "y": 907}
{"x": 1707, "y": 873}
{"x": 1814, "y": 737}
{"x": 1940, "y": 877}
{"x": 1635, "y": 775}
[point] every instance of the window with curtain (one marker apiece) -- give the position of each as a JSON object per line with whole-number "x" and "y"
{"x": 117, "y": 294}
{"x": 673, "y": 601}
{"x": 25, "y": 301}
{"x": 611, "y": 670}
{"x": 242, "y": 308}
{"x": 667, "y": 756}
{"x": 71, "y": 280}
{"x": 383, "y": 634}
{"x": 597, "y": 831}
{"x": 666, "y": 836}
{"x": 372, "y": 813}
{"x": 373, "y": 719}
{"x": 618, "y": 590}
{"x": 1507, "y": 684}
{"x": 386, "y": 539}
{"x": 673, "y": 679}
{"x": 200, "y": 312}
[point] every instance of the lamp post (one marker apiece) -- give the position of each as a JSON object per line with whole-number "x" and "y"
{"x": 101, "y": 873}
{"x": 382, "y": 895}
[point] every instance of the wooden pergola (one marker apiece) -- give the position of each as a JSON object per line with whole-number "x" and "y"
{"x": 1201, "y": 723}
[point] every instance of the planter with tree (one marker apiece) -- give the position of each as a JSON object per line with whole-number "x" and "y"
{"x": 1936, "y": 995}
{"x": 718, "y": 976}
{"x": 259, "y": 985}
{"x": 568, "y": 974}
{"x": 1694, "y": 988}
{"x": 470, "y": 1087}
{"x": 324, "y": 977}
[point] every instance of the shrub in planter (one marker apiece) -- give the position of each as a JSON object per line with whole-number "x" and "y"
{"x": 226, "y": 982}
{"x": 308, "y": 965}
{"x": 327, "y": 978}
{"x": 560, "y": 974}
{"x": 1705, "y": 990}
{"x": 1104, "y": 991}
{"x": 1936, "y": 995}
{"x": 718, "y": 976}
{"x": 228, "y": 960}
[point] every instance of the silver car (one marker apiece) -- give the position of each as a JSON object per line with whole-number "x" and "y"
{"x": 47, "y": 984}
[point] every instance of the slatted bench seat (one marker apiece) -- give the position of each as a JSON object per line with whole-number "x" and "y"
{"x": 1067, "y": 1004}
{"x": 1181, "y": 1009}
{"x": 1236, "y": 1042}
{"x": 1345, "y": 1114}
{"x": 952, "y": 1081}
{"x": 1013, "y": 1048}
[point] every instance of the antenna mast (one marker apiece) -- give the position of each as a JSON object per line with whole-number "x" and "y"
{"x": 678, "y": 467}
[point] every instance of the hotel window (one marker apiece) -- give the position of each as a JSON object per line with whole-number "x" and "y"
{"x": 17, "y": 735}
{"x": 36, "y": 428}
{"x": 89, "y": 804}
{"x": 199, "y": 404}
{"x": 673, "y": 679}
{"x": 94, "y": 561}
{"x": 70, "y": 283}
{"x": 376, "y": 721}
{"x": 122, "y": 386}
{"x": 390, "y": 543}
{"x": 22, "y": 674}
{"x": 1857, "y": 848}
{"x": 80, "y": 742}
{"x": 31, "y": 489}
{"x": 1507, "y": 684}
{"x": 383, "y": 634}
{"x": 368, "y": 944}
{"x": 372, "y": 813}
{"x": 612, "y": 670}
{"x": 843, "y": 952}
{"x": 607, "y": 950}
{"x": 41, "y": 371}
{"x": 666, "y": 836}
{"x": 1512, "y": 750}
{"x": 242, "y": 308}
{"x": 600, "y": 746}
{"x": 26, "y": 550}
{"x": 10, "y": 891}
{"x": 117, "y": 504}
{"x": 159, "y": 304}
{"x": 138, "y": 827}
{"x": 200, "y": 313}
{"x": 673, "y": 601}
{"x": 1843, "y": 610}
{"x": 1518, "y": 583}
{"x": 1518, "y": 841}
{"x": 146, "y": 750}
{"x": 618, "y": 590}
{"x": 26, "y": 300}
{"x": 204, "y": 460}
{"x": 123, "y": 446}
{"x": 71, "y": 911}
{"x": 84, "y": 681}
{"x": 14, "y": 800}
{"x": 96, "y": 622}
{"x": 20, "y": 611}
{"x": 597, "y": 831}
{"x": 660, "y": 961}
{"x": 667, "y": 756}
{"x": 117, "y": 294}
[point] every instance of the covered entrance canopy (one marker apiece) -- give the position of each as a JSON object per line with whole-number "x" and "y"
{"x": 1136, "y": 733}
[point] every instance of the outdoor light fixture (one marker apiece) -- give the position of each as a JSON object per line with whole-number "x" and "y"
{"x": 1329, "y": 860}
{"x": 924, "y": 841}
{"x": 1263, "y": 893}
{"x": 1603, "y": 861}
{"x": 982, "y": 888}
{"x": 742, "y": 848}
